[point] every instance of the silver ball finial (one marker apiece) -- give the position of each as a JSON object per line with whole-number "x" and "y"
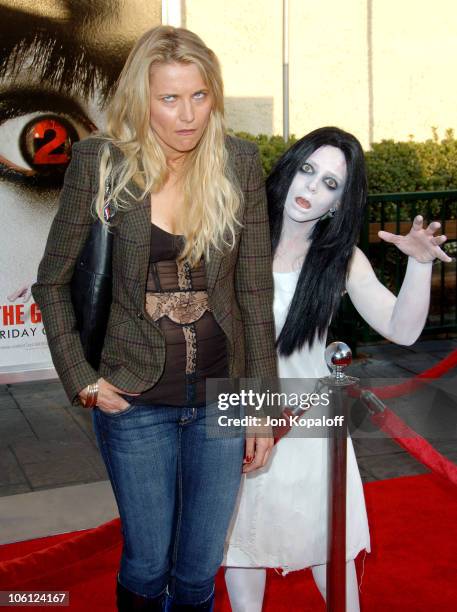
{"x": 338, "y": 356}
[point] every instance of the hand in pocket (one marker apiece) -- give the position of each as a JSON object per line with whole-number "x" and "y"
{"x": 109, "y": 399}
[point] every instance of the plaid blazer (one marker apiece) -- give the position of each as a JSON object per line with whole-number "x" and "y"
{"x": 239, "y": 282}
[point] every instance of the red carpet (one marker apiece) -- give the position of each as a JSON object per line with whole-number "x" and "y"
{"x": 413, "y": 566}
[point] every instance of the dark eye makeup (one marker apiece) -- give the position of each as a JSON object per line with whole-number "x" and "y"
{"x": 307, "y": 168}
{"x": 331, "y": 183}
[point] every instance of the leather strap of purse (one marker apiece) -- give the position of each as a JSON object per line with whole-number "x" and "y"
{"x": 92, "y": 389}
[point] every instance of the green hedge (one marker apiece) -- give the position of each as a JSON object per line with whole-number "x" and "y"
{"x": 391, "y": 166}
{"x": 271, "y": 147}
{"x": 413, "y": 166}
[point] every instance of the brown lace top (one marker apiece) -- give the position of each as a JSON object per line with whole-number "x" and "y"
{"x": 196, "y": 348}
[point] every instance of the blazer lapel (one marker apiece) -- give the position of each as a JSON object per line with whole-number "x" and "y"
{"x": 216, "y": 257}
{"x": 136, "y": 228}
{"x": 212, "y": 268}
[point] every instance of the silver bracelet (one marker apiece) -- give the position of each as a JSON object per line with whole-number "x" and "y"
{"x": 92, "y": 395}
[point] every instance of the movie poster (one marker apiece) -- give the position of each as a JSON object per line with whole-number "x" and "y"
{"x": 59, "y": 61}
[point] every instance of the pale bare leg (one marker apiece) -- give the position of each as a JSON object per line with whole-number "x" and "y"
{"x": 352, "y": 587}
{"x": 246, "y": 588}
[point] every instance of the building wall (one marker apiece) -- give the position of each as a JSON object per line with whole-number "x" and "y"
{"x": 414, "y": 65}
{"x": 379, "y": 68}
{"x": 246, "y": 36}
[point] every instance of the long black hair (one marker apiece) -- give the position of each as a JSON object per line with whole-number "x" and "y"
{"x": 323, "y": 275}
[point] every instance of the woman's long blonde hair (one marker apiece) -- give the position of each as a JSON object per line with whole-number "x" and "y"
{"x": 211, "y": 195}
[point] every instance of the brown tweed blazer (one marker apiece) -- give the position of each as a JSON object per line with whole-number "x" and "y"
{"x": 240, "y": 287}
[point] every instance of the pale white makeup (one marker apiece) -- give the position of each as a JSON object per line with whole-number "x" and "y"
{"x": 315, "y": 189}
{"x": 318, "y": 185}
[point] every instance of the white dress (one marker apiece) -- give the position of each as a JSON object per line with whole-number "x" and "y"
{"x": 280, "y": 519}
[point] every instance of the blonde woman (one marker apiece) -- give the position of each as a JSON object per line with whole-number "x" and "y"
{"x": 192, "y": 299}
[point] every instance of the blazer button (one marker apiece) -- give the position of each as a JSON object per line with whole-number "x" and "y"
{"x": 140, "y": 315}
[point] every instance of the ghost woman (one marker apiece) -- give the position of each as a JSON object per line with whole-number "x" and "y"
{"x": 316, "y": 197}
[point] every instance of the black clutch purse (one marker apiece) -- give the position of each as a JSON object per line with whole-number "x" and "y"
{"x": 91, "y": 289}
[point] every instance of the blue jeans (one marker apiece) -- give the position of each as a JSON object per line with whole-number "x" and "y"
{"x": 175, "y": 488}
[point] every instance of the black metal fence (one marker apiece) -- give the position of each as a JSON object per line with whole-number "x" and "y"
{"x": 394, "y": 213}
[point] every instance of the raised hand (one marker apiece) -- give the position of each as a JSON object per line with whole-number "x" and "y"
{"x": 419, "y": 243}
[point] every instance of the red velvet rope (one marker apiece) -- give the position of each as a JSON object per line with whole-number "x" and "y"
{"x": 396, "y": 428}
{"x": 416, "y": 445}
{"x": 410, "y": 385}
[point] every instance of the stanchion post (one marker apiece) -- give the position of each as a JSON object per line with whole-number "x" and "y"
{"x": 338, "y": 355}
